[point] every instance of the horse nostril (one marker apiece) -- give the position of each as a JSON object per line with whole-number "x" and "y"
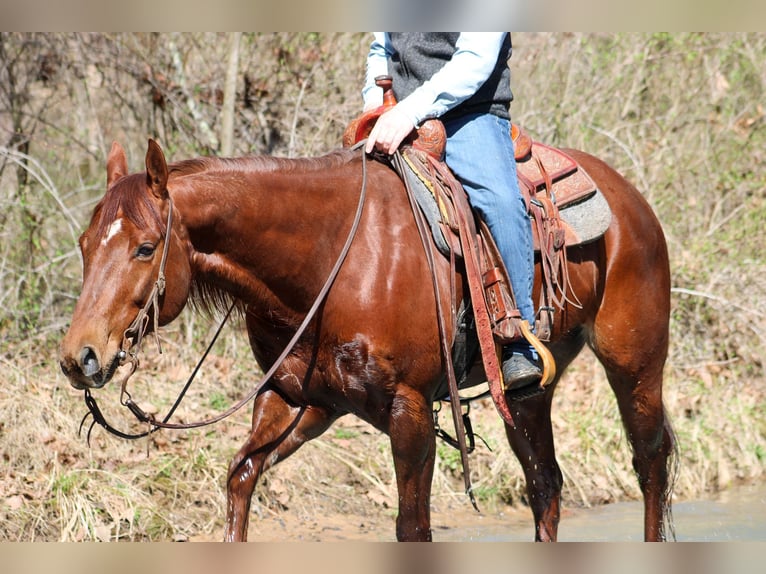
{"x": 90, "y": 365}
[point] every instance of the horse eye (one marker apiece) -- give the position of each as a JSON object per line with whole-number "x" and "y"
{"x": 145, "y": 251}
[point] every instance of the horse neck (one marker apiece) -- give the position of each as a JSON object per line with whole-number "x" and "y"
{"x": 254, "y": 230}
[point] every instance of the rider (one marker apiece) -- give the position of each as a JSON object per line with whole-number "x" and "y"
{"x": 464, "y": 80}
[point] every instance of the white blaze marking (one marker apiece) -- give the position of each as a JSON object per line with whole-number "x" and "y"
{"x": 114, "y": 229}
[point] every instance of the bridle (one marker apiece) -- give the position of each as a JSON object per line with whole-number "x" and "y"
{"x": 132, "y": 339}
{"x": 134, "y": 334}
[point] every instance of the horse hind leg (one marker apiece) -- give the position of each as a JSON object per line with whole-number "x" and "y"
{"x": 653, "y": 444}
{"x": 278, "y": 430}
{"x": 634, "y": 360}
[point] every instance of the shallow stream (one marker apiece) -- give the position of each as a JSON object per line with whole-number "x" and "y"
{"x": 738, "y": 514}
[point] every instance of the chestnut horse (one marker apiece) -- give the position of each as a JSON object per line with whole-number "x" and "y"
{"x": 266, "y": 232}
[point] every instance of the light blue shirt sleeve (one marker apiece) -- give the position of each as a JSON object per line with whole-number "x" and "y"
{"x": 377, "y": 65}
{"x": 471, "y": 65}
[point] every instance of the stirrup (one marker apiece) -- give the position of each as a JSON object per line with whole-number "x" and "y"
{"x": 546, "y": 357}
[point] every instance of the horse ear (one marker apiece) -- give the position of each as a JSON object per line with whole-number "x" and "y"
{"x": 156, "y": 170}
{"x": 116, "y": 164}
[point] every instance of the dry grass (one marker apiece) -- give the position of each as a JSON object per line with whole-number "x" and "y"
{"x": 171, "y": 487}
{"x": 681, "y": 115}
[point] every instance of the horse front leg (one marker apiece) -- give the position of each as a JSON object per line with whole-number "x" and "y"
{"x": 278, "y": 430}
{"x": 413, "y": 446}
{"x": 532, "y": 442}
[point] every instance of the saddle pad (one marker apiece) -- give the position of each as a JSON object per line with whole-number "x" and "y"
{"x": 584, "y": 221}
{"x": 424, "y": 194}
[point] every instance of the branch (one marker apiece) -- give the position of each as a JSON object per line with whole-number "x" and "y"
{"x": 229, "y": 96}
{"x": 715, "y": 298}
{"x": 190, "y": 103}
{"x": 33, "y": 168}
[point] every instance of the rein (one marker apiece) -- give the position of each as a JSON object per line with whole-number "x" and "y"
{"x": 461, "y": 422}
{"x": 134, "y": 335}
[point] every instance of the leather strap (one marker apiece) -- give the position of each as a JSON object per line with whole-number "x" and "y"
{"x": 446, "y": 347}
{"x": 484, "y": 332}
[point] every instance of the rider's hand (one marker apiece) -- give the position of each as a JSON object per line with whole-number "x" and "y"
{"x": 389, "y": 131}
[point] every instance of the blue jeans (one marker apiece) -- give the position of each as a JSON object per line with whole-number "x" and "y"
{"x": 480, "y": 154}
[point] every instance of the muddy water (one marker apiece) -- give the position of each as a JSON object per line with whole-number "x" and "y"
{"x": 739, "y": 514}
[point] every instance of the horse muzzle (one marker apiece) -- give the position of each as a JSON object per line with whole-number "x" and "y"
{"x": 84, "y": 369}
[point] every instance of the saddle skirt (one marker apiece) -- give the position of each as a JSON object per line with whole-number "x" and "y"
{"x": 547, "y": 174}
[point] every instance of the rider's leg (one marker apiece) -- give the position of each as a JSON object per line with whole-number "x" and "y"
{"x": 480, "y": 153}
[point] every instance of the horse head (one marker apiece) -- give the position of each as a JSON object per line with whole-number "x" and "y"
{"x": 126, "y": 248}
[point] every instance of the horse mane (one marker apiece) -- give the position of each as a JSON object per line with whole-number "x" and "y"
{"x": 206, "y": 297}
{"x": 260, "y": 164}
{"x": 210, "y": 300}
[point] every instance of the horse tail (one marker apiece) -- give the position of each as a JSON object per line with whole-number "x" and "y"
{"x": 672, "y": 467}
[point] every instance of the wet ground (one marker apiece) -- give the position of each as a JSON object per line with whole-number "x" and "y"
{"x": 737, "y": 515}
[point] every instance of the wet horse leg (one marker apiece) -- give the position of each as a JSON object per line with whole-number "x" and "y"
{"x": 413, "y": 446}
{"x": 633, "y": 347}
{"x": 278, "y": 430}
{"x": 639, "y": 396}
{"x": 532, "y": 442}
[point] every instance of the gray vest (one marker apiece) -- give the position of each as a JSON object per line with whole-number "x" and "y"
{"x": 418, "y": 56}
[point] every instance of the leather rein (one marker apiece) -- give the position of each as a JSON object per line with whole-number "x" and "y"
{"x": 133, "y": 337}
